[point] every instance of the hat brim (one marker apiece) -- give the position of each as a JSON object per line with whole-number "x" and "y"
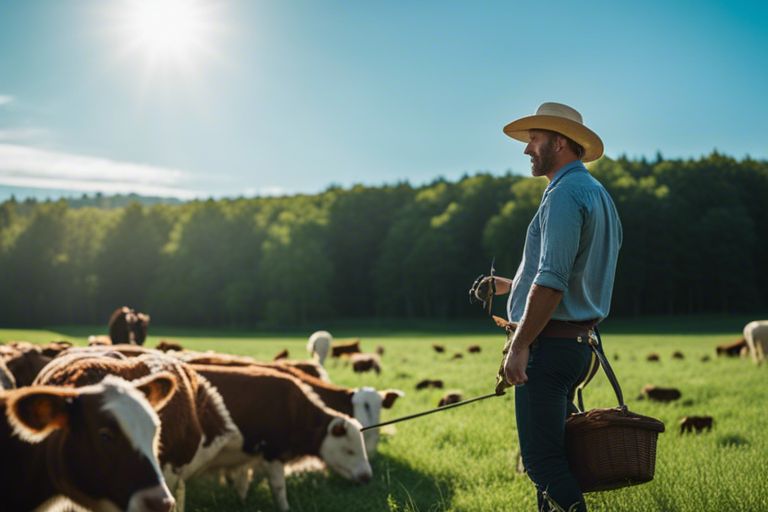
{"x": 589, "y": 140}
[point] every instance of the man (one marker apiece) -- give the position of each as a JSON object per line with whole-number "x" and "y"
{"x": 562, "y": 288}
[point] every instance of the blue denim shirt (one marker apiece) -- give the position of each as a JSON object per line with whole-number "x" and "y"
{"x": 572, "y": 245}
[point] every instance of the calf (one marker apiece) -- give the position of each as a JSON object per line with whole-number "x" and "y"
{"x": 474, "y": 349}
{"x": 282, "y": 420}
{"x": 319, "y": 344}
{"x": 95, "y": 446}
{"x": 657, "y": 394}
{"x": 732, "y": 349}
{"x": 450, "y": 398}
{"x": 362, "y": 363}
{"x": 195, "y": 423}
{"x": 698, "y": 423}
{"x": 339, "y": 349}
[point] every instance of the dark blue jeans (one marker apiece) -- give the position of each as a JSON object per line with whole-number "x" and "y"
{"x": 555, "y": 367}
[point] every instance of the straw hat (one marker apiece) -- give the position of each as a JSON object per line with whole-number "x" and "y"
{"x": 561, "y": 119}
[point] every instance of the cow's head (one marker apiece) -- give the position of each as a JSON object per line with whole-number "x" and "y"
{"x": 367, "y": 404}
{"x": 102, "y": 440}
{"x": 344, "y": 451}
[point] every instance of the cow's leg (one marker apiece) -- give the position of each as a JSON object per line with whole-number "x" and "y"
{"x": 176, "y": 486}
{"x": 276, "y": 476}
{"x": 181, "y": 495}
{"x": 241, "y": 480}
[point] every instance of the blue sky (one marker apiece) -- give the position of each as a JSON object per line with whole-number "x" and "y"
{"x": 292, "y": 96}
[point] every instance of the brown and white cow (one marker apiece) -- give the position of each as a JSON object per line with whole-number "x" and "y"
{"x": 340, "y": 349}
{"x": 319, "y": 344}
{"x": 282, "y": 420}
{"x": 362, "y": 363}
{"x": 24, "y": 360}
{"x": 195, "y": 423}
{"x": 95, "y": 446}
{"x": 756, "y": 336}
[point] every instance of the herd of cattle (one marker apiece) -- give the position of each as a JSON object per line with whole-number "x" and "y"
{"x": 119, "y": 426}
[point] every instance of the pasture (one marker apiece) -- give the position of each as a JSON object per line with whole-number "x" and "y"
{"x": 464, "y": 459}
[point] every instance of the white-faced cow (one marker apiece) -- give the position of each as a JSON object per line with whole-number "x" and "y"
{"x": 282, "y": 420}
{"x": 95, "y": 446}
{"x": 319, "y": 344}
{"x": 195, "y": 423}
{"x": 756, "y": 335}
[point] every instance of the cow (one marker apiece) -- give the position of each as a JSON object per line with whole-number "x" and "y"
{"x": 379, "y": 350}
{"x": 450, "y": 398}
{"x": 128, "y": 326}
{"x": 166, "y": 346}
{"x": 756, "y": 335}
{"x": 7, "y": 380}
{"x": 24, "y": 360}
{"x": 362, "y": 363}
{"x": 657, "y": 394}
{"x": 282, "y": 420}
{"x": 339, "y": 349}
{"x": 458, "y": 355}
{"x": 698, "y": 423}
{"x": 283, "y": 354}
{"x": 653, "y": 357}
{"x": 319, "y": 344}
{"x": 704, "y": 359}
{"x": 678, "y": 355}
{"x": 438, "y": 348}
{"x": 474, "y": 349}
{"x": 195, "y": 423}
{"x": 731, "y": 349}
{"x": 94, "y": 447}
{"x": 430, "y": 383}
{"x": 312, "y": 368}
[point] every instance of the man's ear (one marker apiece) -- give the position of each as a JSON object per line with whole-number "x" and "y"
{"x": 389, "y": 396}
{"x": 36, "y": 412}
{"x": 158, "y": 388}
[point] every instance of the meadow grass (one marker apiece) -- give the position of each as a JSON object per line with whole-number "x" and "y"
{"x": 464, "y": 459}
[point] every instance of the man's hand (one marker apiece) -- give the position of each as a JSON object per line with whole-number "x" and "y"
{"x": 514, "y": 366}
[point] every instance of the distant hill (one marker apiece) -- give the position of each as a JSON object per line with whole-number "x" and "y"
{"x": 80, "y": 199}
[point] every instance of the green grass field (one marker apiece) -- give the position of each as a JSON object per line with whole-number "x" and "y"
{"x": 464, "y": 459}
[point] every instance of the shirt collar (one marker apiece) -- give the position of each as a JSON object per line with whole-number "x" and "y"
{"x": 573, "y": 165}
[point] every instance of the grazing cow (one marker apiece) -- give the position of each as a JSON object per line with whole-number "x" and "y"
{"x": 438, "y": 348}
{"x": 657, "y": 394}
{"x": 428, "y": 383}
{"x": 282, "y": 420}
{"x": 732, "y": 349}
{"x": 319, "y": 344}
{"x": 95, "y": 446}
{"x": 195, "y": 423}
{"x": 166, "y": 346}
{"x": 698, "y": 423}
{"x": 653, "y": 357}
{"x": 458, "y": 355}
{"x": 756, "y": 334}
{"x": 312, "y": 368}
{"x": 379, "y": 350}
{"x": 339, "y": 349}
{"x": 283, "y": 354}
{"x": 474, "y": 349}
{"x": 128, "y": 326}
{"x": 450, "y": 398}
{"x": 678, "y": 355}
{"x": 362, "y": 363}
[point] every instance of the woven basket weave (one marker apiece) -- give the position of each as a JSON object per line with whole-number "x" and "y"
{"x": 611, "y": 448}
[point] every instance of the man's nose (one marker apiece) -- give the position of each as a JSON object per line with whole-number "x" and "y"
{"x": 527, "y": 150}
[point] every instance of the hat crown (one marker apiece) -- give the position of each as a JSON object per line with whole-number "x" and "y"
{"x": 559, "y": 110}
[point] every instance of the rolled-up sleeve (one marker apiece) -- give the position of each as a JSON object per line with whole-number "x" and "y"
{"x": 561, "y": 217}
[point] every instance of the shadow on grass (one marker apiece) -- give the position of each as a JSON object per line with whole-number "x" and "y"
{"x": 396, "y": 487}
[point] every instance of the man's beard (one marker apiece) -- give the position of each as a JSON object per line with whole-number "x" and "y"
{"x": 545, "y": 162}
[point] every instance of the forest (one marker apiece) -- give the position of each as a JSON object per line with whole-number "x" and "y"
{"x": 695, "y": 241}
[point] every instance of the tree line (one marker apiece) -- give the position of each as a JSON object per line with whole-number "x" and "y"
{"x": 695, "y": 241}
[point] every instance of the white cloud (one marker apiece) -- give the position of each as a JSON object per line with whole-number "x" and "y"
{"x": 23, "y": 166}
{"x": 22, "y": 134}
{"x": 266, "y": 192}
{"x": 5, "y": 99}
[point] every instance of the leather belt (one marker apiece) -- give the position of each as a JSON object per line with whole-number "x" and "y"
{"x": 567, "y": 329}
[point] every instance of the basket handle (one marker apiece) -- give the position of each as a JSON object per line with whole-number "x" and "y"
{"x": 596, "y": 344}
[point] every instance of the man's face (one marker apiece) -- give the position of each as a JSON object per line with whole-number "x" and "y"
{"x": 541, "y": 148}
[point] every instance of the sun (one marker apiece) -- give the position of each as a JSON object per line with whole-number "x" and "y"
{"x": 166, "y": 34}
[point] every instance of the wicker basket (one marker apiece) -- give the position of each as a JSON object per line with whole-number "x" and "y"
{"x": 611, "y": 448}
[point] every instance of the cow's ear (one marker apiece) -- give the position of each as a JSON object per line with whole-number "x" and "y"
{"x": 158, "y": 388}
{"x": 338, "y": 427}
{"x": 389, "y": 396}
{"x": 36, "y": 412}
